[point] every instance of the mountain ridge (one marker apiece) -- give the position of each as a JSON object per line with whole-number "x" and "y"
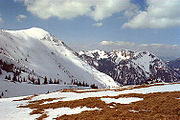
{"x": 129, "y": 67}
{"x": 35, "y": 53}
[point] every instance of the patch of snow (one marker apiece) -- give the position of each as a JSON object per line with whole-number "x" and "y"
{"x": 127, "y": 100}
{"x": 101, "y": 54}
{"x": 111, "y": 106}
{"x": 133, "y": 111}
{"x": 53, "y": 113}
{"x": 23, "y": 89}
{"x": 33, "y": 32}
{"x": 9, "y": 111}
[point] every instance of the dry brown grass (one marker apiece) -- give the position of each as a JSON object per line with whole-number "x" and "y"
{"x": 43, "y": 100}
{"x": 162, "y": 106}
{"x": 42, "y": 117}
{"x": 154, "y": 106}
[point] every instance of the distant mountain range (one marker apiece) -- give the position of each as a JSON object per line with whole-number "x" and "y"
{"x": 129, "y": 67}
{"x": 175, "y": 65}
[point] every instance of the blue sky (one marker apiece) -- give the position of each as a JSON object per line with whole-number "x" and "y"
{"x": 130, "y": 21}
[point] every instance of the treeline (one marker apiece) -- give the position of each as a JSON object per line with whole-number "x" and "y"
{"x": 37, "y": 81}
{"x": 17, "y": 78}
{"x": 31, "y": 79}
{"x": 50, "y": 81}
{"x": 83, "y": 84}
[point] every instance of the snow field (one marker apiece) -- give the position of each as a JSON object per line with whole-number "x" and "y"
{"x": 9, "y": 110}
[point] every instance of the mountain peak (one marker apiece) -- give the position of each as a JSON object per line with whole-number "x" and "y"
{"x": 33, "y": 32}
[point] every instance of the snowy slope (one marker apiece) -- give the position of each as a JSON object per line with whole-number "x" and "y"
{"x": 9, "y": 108}
{"x": 40, "y": 54}
{"x": 129, "y": 67}
{"x": 175, "y": 65}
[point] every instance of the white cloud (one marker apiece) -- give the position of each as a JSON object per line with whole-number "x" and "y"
{"x": 99, "y": 24}
{"x": 68, "y": 9}
{"x": 118, "y": 43}
{"x": 18, "y": 0}
{"x": 21, "y": 17}
{"x": 162, "y": 50}
{"x": 106, "y": 42}
{"x": 159, "y": 14}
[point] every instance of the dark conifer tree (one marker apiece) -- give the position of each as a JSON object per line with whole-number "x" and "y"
{"x": 45, "y": 80}
{"x": 33, "y": 80}
{"x": 38, "y": 81}
{"x": 94, "y": 86}
{"x": 57, "y": 82}
{"x": 24, "y": 79}
{"x": 14, "y": 78}
{"x": 18, "y": 79}
{"x": 6, "y": 77}
{"x": 29, "y": 77}
{"x": 83, "y": 84}
{"x": 72, "y": 82}
{"x": 50, "y": 81}
{"x": 1, "y": 62}
{"x": 9, "y": 78}
{"x": 87, "y": 85}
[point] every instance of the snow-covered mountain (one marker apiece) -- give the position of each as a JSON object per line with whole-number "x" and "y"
{"x": 175, "y": 65}
{"x": 129, "y": 67}
{"x": 32, "y": 55}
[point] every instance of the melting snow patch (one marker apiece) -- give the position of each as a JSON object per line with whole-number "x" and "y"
{"x": 121, "y": 100}
{"x": 133, "y": 111}
{"x": 53, "y": 113}
{"x": 111, "y": 106}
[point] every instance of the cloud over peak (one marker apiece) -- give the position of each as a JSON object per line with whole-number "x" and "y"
{"x": 156, "y": 48}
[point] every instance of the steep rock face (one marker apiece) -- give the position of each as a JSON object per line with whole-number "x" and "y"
{"x": 38, "y": 54}
{"x": 175, "y": 65}
{"x": 129, "y": 67}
